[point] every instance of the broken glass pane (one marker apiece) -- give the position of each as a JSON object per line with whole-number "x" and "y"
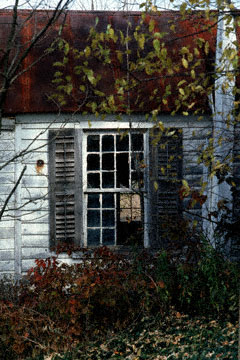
{"x": 137, "y": 142}
{"x": 122, "y": 170}
{"x": 93, "y": 201}
{"x": 108, "y": 236}
{"x": 93, "y": 218}
{"x": 108, "y": 180}
{"x": 93, "y": 237}
{"x": 93, "y": 162}
{"x": 122, "y": 143}
{"x": 130, "y": 207}
{"x": 93, "y": 143}
{"x": 108, "y": 161}
{"x": 108, "y": 218}
{"x": 93, "y": 180}
{"x": 108, "y": 201}
{"x": 125, "y": 201}
{"x": 108, "y": 143}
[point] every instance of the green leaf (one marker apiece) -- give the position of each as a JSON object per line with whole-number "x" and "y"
{"x": 87, "y": 51}
{"x": 66, "y": 48}
{"x": 193, "y": 74}
{"x": 185, "y": 63}
{"x": 183, "y": 8}
{"x": 164, "y": 52}
{"x": 68, "y": 88}
{"x": 185, "y": 183}
{"x": 181, "y": 82}
{"x": 151, "y": 25}
{"x": 58, "y": 73}
{"x": 206, "y": 48}
{"x": 90, "y": 75}
{"x": 119, "y": 56}
{"x": 82, "y": 88}
{"x": 58, "y": 63}
{"x": 184, "y": 50}
{"x": 141, "y": 41}
{"x": 181, "y": 91}
{"x": 156, "y": 45}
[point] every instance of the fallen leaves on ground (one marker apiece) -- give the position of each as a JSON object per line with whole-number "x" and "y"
{"x": 170, "y": 338}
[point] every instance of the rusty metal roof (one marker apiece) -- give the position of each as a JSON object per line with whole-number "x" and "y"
{"x": 29, "y": 94}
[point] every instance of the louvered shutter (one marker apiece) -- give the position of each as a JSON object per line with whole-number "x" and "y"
{"x": 165, "y": 181}
{"x": 65, "y": 187}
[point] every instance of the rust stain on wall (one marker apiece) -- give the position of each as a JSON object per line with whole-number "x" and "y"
{"x": 39, "y": 166}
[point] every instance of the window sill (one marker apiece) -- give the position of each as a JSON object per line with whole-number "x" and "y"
{"x": 117, "y": 249}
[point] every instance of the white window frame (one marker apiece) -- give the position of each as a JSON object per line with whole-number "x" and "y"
{"x": 109, "y": 131}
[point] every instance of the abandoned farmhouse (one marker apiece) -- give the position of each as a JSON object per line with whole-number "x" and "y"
{"x": 117, "y": 127}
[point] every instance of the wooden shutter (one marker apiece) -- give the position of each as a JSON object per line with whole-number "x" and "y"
{"x": 65, "y": 187}
{"x": 165, "y": 181}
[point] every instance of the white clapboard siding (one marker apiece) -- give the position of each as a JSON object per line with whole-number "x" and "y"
{"x": 36, "y": 206}
{"x": 35, "y": 181}
{"x": 31, "y": 134}
{"x": 196, "y": 133}
{"x": 6, "y": 146}
{"x": 6, "y": 255}
{"x": 35, "y": 240}
{"x": 7, "y": 135}
{"x": 35, "y": 252}
{"x": 37, "y": 145}
{"x": 27, "y": 264}
{"x": 7, "y": 178}
{"x": 7, "y": 221}
{"x": 35, "y": 216}
{"x": 6, "y": 244}
{"x": 7, "y": 266}
{"x": 5, "y": 190}
{"x": 6, "y": 233}
{"x": 6, "y": 169}
{"x": 7, "y": 155}
{"x": 35, "y": 228}
{"x": 34, "y": 194}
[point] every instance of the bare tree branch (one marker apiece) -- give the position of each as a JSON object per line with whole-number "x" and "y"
{"x": 12, "y": 192}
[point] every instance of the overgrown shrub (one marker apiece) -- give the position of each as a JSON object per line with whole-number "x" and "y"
{"x": 209, "y": 287}
{"x": 60, "y": 305}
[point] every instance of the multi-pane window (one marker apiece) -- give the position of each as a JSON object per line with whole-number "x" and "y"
{"x": 113, "y": 187}
{"x": 104, "y": 185}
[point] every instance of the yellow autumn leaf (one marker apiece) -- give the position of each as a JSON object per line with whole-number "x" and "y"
{"x": 185, "y": 63}
{"x": 181, "y": 91}
{"x": 193, "y": 74}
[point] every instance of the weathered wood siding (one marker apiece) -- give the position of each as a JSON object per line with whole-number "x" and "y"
{"x": 7, "y": 180}
{"x": 26, "y": 237}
